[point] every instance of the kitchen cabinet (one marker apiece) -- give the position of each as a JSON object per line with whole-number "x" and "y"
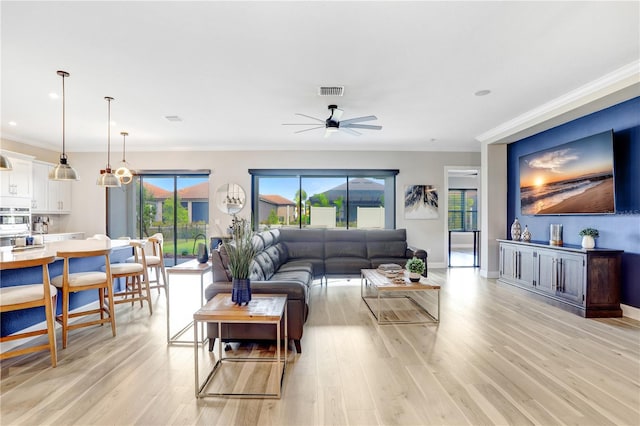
{"x": 49, "y": 196}
{"x": 585, "y": 281}
{"x": 17, "y": 183}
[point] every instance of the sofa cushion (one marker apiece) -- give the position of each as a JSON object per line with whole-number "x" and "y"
{"x": 266, "y": 264}
{"x": 301, "y": 277}
{"x": 305, "y": 250}
{"x": 386, "y": 249}
{"x": 345, "y": 249}
{"x": 297, "y": 265}
{"x": 346, "y": 265}
{"x": 256, "y": 272}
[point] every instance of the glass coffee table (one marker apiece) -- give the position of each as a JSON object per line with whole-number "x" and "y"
{"x": 376, "y": 287}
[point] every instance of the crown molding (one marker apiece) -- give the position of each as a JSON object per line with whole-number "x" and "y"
{"x": 622, "y": 79}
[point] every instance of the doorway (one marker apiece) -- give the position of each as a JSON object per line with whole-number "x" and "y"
{"x": 462, "y": 241}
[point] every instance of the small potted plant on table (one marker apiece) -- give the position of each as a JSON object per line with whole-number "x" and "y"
{"x": 588, "y": 237}
{"x": 416, "y": 268}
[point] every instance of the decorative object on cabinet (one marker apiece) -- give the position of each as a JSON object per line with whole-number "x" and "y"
{"x": 230, "y": 198}
{"x": 107, "y": 178}
{"x": 63, "y": 171}
{"x": 241, "y": 252}
{"x": 555, "y": 234}
{"x": 124, "y": 173}
{"x": 526, "y": 234}
{"x": 5, "y": 163}
{"x": 588, "y": 237}
{"x": 516, "y": 230}
{"x": 416, "y": 268}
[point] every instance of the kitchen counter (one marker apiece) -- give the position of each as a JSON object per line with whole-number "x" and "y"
{"x": 11, "y": 322}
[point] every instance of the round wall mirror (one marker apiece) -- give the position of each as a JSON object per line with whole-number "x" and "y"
{"x": 230, "y": 198}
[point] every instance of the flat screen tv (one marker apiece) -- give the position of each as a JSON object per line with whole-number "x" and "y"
{"x": 572, "y": 178}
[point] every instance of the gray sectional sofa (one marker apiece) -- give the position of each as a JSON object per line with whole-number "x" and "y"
{"x": 290, "y": 259}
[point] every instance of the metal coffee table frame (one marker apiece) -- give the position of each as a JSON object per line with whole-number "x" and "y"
{"x": 280, "y": 356}
{"x": 374, "y": 279}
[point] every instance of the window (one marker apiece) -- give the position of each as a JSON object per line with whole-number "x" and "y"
{"x": 323, "y": 198}
{"x": 463, "y": 209}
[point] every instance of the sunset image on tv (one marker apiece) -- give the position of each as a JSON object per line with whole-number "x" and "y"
{"x": 573, "y": 178}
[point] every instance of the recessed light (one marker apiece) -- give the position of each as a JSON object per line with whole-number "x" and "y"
{"x": 13, "y": 123}
{"x": 53, "y": 95}
{"x": 483, "y": 92}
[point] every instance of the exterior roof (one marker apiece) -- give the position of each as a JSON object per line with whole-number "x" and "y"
{"x": 276, "y": 200}
{"x": 156, "y": 191}
{"x": 199, "y": 191}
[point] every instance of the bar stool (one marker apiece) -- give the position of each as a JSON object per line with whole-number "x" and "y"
{"x": 155, "y": 261}
{"x": 136, "y": 277}
{"x": 29, "y": 296}
{"x": 82, "y": 281}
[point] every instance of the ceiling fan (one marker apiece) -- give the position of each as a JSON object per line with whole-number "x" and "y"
{"x": 333, "y": 124}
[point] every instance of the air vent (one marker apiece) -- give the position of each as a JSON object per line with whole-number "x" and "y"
{"x": 331, "y": 90}
{"x": 173, "y": 118}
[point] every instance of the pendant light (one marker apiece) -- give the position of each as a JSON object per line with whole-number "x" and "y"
{"x": 123, "y": 173}
{"x": 106, "y": 178}
{"x": 5, "y": 164}
{"x": 63, "y": 171}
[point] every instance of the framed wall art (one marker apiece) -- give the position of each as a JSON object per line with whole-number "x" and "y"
{"x": 420, "y": 202}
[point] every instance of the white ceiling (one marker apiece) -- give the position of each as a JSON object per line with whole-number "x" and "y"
{"x": 235, "y": 71}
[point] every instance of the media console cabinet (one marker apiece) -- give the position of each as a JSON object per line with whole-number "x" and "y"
{"x": 584, "y": 281}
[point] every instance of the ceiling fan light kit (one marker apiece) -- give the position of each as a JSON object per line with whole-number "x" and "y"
{"x": 63, "y": 171}
{"x": 107, "y": 178}
{"x": 333, "y": 124}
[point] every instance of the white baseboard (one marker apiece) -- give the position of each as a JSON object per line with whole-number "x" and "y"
{"x": 489, "y": 274}
{"x": 630, "y": 311}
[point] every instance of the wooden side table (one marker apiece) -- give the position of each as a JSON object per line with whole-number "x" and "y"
{"x": 263, "y": 309}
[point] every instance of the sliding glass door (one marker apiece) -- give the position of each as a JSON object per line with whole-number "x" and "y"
{"x": 175, "y": 205}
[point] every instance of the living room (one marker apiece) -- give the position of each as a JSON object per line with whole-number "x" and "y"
{"x": 239, "y": 126}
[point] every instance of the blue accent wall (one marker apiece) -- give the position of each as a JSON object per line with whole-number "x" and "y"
{"x": 617, "y": 231}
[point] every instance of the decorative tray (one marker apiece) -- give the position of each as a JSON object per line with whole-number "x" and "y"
{"x": 31, "y": 247}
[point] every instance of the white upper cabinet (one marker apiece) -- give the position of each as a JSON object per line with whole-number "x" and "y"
{"x": 17, "y": 183}
{"x": 49, "y": 196}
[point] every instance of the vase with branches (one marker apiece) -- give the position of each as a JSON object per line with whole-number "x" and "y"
{"x": 241, "y": 251}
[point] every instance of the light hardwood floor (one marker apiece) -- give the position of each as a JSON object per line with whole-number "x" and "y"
{"x": 498, "y": 356}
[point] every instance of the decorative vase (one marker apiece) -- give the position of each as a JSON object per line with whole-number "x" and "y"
{"x": 516, "y": 230}
{"x": 588, "y": 242}
{"x": 526, "y": 234}
{"x": 414, "y": 277}
{"x": 555, "y": 234}
{"x": 203, "y": 254}
{"x": 241, "y": 291}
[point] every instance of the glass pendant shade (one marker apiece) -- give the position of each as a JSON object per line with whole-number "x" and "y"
{"x": 124, "y": 173}
{"x": 107, "y": 178}
{"x": 5, "y": 164}
{"x": 63, "y": 171}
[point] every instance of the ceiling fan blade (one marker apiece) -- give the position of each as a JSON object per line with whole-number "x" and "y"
{"x": 299, "y": 124}
{"x": 308, "y": 116}
{"x": 350, "y": 131}
{"x": 360, "y": 126}
{"x": 359, "y": 119}
{"x": 306, "y": 130}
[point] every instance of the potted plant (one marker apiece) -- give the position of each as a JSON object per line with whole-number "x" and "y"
{"x": 241, "y": 251}
{"x": 416, "y": 268}
{"x": 588, "y": 237}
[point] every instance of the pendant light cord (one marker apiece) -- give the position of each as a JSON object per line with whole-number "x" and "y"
{"x": 109, "y": 99}
{"x": 64, "y": 155}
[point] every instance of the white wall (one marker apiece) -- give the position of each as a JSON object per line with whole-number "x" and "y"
{"x": 89, "y": 200}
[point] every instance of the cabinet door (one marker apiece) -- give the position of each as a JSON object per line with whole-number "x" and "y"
{"x": 40, "y": 200}
{"x": 17, "y": 182}
{"x": 547, "y": 272}
{"x": 64, "y": 196}
{"x": 571, "y": 277}
{"x": 508, "y": 261}
{"x": 525, "y": 264}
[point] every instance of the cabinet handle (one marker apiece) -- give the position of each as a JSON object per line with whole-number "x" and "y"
{"x": 554, "y": 278}
{"x": 562, "y": 277}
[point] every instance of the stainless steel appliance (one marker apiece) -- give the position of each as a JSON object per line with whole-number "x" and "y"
{"x": 14, "y": 222}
